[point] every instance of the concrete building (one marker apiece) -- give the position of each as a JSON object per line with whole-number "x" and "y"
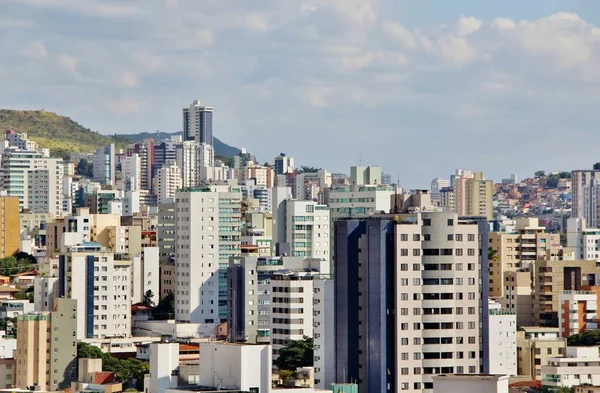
{"x": 301, "y": 228}
{"x": 198, "y": 123}
{"x": 145, "y": 274}
{"x": 100, "y": 282}
{"x": 585, "y": 185}
{"x": 46, "y": 290}
{"x": 437, "y": 185}
{"x": 578, "y": 311}
{"x": 465, "y": 383}
{"x": 472, "y": 194}
{"x": 583, "y": 240}
{"x": 447, "y": 200}
{"x": 535, "y": 345}
{"x": 283, "y": 164}
{"x": 167, "y": 182}
{"x": 501, "y": 341}
{"x": 104, "y": 165}
{"x": 324, "y": 332}
{"x": 514, "y": 251}
{"x": 36, "y": 180}
{"x": 187, "y": 161}
{"x": 132, "y": 173}
{"x": 408, "y": 294}
{"x": 46, "y": 347}
{"x": 168, "y": 278}
{"x": 208, "y": 234}
{"x": 558, "y": 272}
{"x": 164, "y": 367}
{"x": 581, "y": 365}
{"x": 145, "y": 152}
{"x": 9, "y": 221}
{"x": 518, "y": 296}
{"x": 165, "y": 231}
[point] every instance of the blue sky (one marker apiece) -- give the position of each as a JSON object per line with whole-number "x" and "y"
{"x": 420, "y": 87}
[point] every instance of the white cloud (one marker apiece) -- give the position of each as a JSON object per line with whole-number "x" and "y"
{"x": 204, "y": 37}
{"x": 36, "y": 50}
{"x": 456, "y": 49}
{"x": 503, "y": 24}
{"x": 128, "y": 79}
{"x": 468, "y": 25}
{"x": 124, "y": 106}
{"x": 400, "y": 33}
{"x": 69, "y": 64}
{"x": 257, "y": 22}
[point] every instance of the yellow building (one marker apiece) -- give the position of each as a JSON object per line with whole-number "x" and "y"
{"x": 11, "y": 223}
{"x": 47, "y": 347}
{"x": 479, "y": 195}
{"x": 535, "y": 345}
{"x": 514, "y": 251}
{"x": 518, "y": 297}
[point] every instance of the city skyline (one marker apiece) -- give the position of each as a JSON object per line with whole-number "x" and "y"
{"x": 349, "y": 77}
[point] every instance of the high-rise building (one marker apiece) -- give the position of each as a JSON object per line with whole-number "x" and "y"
{"x": 577, "y": 311}
{"x": 166, "y": 151}
{"x": 198, "y": 123}
{"x": 100, "y": 281}
{"x": 517, "y": 250}
{"x": 187, "y": 161}
{"x": 132, "y": 173}
{"x": 145, "y": 151}
{"x": 437, "y": 185}
{"x": 10, "y": 222}
{"x": 167, "y": 182}
{"x": 46, "y": 353}
{"x": 208, "y": 227}
{"x": 501, "y": 341}
{"x": 165, "y": 232}
{"x": 283, "y": 164}
{"x": 428, "y": 312}
{"x": 472, "y": 194}
{"x": 583, "y": 240}
{"x": 585, "y": 187}
{"x": 104, "y": 165}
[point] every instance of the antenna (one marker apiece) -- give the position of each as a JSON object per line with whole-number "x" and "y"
{"x": 360, "y": 156}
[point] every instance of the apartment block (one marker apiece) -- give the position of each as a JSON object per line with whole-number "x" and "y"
{"x": 167, "y": 182}
{"x": 518, "y": 296}
{"x": 535, "y": 345}
{"x": 145, "y": 274}
{"x": 514, "y": 251}
{"x": 579, "y": 366}
{"x": 47, "y": 347}
{"x": 359, "y": 200}
{"x": 409, "y": 299}
{"x": 100, "y": 281}
{"x": 165, "y": 231}
{"x": 578, "y": 311}
{"x": 558, "y": 272}
{"x": 583, "y": 240}
{"x": 10, "y": 221}
{"x": 208, "y": 233}
{"x": 472, "y": 194}
{"x": 501, "y": 341}
{"x": 585, "y": 186}
{"x": 104, "y": 164}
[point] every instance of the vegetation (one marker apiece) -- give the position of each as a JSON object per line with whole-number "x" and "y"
{"x": 148, "y": 296}
{"x": 552, "y": 181}
{"x": 294, "y": 354}
{"x": 85, "y": 168}
{"x": 585, "y": 339}
{"x": 539, "y": 174}
{"x": 227, "y": 160}
{"x": 165, "y": 309}
{"x": 492, "y": 254}
{"x": 130, "y": 372}
{"x": 58, "y": 133}
{"x": 10, "y": 266}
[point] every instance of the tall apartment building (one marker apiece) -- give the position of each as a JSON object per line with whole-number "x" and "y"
{"x": 472, "y": 194}
{"x": 10, "y": 224}
{"x": 585, "y": 186}
{"x": 501, "y": 341}
{"x": 583, "y": 240}
{"x": 145, "y": 274}
{"x": 187, "y": 161}
{"x": 559, "y": 271}
{"x": 198, "y": 123}
{"x": 132, "y": 173}
{"x": 518, "y": 296}
{"x": 517, "y": 250}
{"x": 100, "y": 281}
{"x": 283, "y": 164}
{"x": 447, "y": 200}
{"x": 300, "y": 228}
{"x": 208, "y": 228}
{"x": 409, "y": 299}
{"x": 166, "y": 151}
{"x": 167, "y": 182}
{"x": 578, "y": 311}
{"x": 437, "y": 185}
{"x": 359, "y": 200}
{"x": 37, "y": 181}
{"x": 165, "y": 231}
{"x": 104, "y": 164}
{"x": 145, "y": 151}
{"x": 46, "y": 352}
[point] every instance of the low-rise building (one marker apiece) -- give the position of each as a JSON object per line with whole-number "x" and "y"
{"x": 501, "y": 341}
{"x": 578, "y": 311}
{"x": 470, "y": 383}
{"x": 535, "y": 345}
{"x": 581, "y": 365}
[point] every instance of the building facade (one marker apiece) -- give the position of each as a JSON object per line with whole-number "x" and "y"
{"x": 198, "y": 123}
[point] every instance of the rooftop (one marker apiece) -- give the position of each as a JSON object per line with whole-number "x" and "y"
{"x": 481, "y": 377}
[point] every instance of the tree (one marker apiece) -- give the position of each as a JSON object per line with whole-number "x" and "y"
{"x": 295, "y": 353}
{"x": 492, "y": 254}
{"x": 585, "y": 339}
{"x": 539, "y": 174}
{"x": 30, "y": 259}
{"x": 552, "y": 181}
{"x": 10, "y": 266}
{"x": 148, "y": 296}
{"x": 565, "y": 175}
{"x": 165, "y": 309}
{"x": 82, "y": 167}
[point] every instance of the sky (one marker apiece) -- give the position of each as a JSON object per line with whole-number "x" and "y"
{"x": 418, "y": 87}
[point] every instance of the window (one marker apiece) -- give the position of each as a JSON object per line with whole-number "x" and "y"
{"x": 404, "y": 311}
{"x": 450, "y": 222}
{"x": 459, "y": 266}
{"x": 404, "y": 356}
{"x": 404, "y": 267}
{"x": 471, "y": 237}
{"x": 471, "y": 252}
{"x": 459, "y": 310}
{"x": 417, "y": 341}
{"x": 471, "y": 310}
{"x": 459, "y": 325}
{"x": 404, "y": 371}
{"x": 458, "y": 252}
{"x": 404, "y": 296}
{"x": 427, "y": 237}
{"x": 471, "y": 353}
{"x": 471, "y": 281}
{"x": 417, "y": 356}
{"x": 416, "y": 326}
{"x": 426, "y": 222}
{"x": 450, "y": 237}
{"x": 404, "y": 252}
{"x": 416, "y": 311}
{"x": 416, "y": 281}
{"x": 404, "y": 326}
{"x": 416, "y": 266}
{"x": 404, "y": 385}
{"x": 471, "y": 325}
{"x": 403, "y": 237}
{"x": 404, "y": 341}
{"x": 471, "y": 266}
{"x": 471, "y": 340}
{"x": 416, "y": 252}
{"x": 416, "y": 237}
{"x": 404, "y": 281}
{"x": 418, "y": 384}
{"x": 471, "y": 369}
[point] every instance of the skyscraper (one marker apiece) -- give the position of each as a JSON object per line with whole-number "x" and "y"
{"x": 104, "y": 164}
{"x": 408, "y": 294}
{"x": 197, "y": 123}
{"x": 584, "y": 200}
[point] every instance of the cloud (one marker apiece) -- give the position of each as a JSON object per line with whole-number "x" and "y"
{"x": 344, "y": 73}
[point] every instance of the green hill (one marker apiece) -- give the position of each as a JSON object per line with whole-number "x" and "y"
{"x": 63, "y": 136}
{"x": 58, "y": 133}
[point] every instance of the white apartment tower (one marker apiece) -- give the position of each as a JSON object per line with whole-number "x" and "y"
{"x": 208, "y": 232}
{"x": 583, "y": 240}
{"x": 187, "y": 161}
{"x": 132, "y": 173}
{"x": 104, "y": 164}
{"x": 584, "y": 195}
{"x": 167, "y": 182}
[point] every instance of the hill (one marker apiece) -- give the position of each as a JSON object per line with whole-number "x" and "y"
{"x": 221, "y": 148}
{"x": 63, "y": 136}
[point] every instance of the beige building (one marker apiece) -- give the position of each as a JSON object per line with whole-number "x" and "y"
{"x": 47, "y": 347}
{"x": 518, "y": 296}
{"x": 557, "y": 272}
{"x": 472, "y": 194}
{"x": 7, "y": 373}
{"x": 10, "y": 221}
{"x": 517, "y": 250}
{"x": 470, "y": 383}
{"x": 535, "y": 345}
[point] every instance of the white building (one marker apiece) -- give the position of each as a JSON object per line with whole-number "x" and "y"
{"x": 584, "y": 195}
{"x": 308, "y": 185}
{"x": 324, "y": 332}
{"x": 206, "y": 155}
{"x": 101, "y": 285}
{"x": 146, "y": 274}
{"x": 164, "y": 367}
{"x": 436, "y": 187}
{"x": 104, "y": 164}
{"x": 167, "y": 182}
{"x": 583, "y": 240}
{"x": 197, "y": 123}
{"x": 45, "y": 290}
{"x": 235, "y": 366}
{"x": 501, "y": 341}
{"x": 470, "y": 383}
{"x": 187, "y": 161}
{"x": 581, "y": 365}
{"x": 208, "y": 233}
{"x": 283, "y": 164}
{"x": 132, "y": 173}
